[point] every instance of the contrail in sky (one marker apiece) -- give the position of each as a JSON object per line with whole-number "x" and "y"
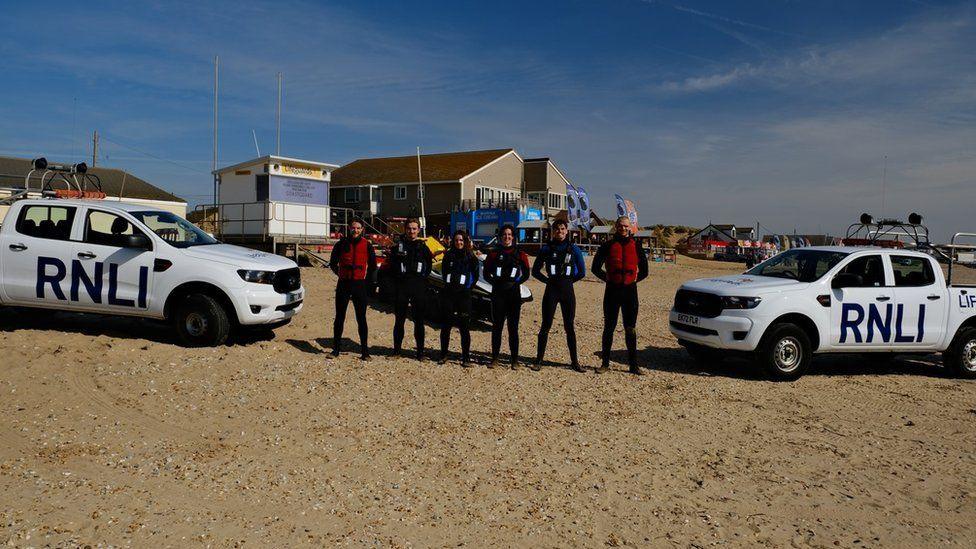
{"x": 715, "y": 17}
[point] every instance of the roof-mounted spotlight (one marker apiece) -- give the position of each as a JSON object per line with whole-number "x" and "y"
{"x": 866, "y": 219}
{"x": 914, "y": 218}
{"x": 39, "y": 163}
{"x": 80, "y": 167}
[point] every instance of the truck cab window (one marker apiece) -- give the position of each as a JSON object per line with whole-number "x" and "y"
{"x": 912, "y": 271}
{"x": 107, "y": 229}
{"x": 870, "y": 268}
{"x": 175, "y": 230}
{"x": 53, "y": 222}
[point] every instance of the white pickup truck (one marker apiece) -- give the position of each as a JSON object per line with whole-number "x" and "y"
{"x": 830, "y": 300}
{"x": 126, "y": 259}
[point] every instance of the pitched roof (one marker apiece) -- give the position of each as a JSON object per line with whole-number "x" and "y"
{"x": 722, "y": 229}
{"x": 403, "y": 169}
{"x": 13, "y": 171}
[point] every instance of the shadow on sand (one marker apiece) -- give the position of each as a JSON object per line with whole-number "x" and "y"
{"x": 677, "y": 360}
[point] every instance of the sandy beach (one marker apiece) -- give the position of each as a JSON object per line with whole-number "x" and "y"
{"x": 112, "y": 434}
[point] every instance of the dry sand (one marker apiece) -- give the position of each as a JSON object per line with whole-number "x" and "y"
{"x": 112, "y": 434}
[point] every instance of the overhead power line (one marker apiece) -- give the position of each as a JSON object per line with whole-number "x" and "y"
{"x": 151, "y": 155}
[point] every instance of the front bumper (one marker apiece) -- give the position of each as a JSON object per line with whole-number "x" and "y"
{"x": 261, "y": 304}
{"x": 726, "y": 331}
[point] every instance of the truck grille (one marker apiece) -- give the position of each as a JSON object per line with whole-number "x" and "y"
{"x": 287, "y": 280}
{"x": 697, "y": 303}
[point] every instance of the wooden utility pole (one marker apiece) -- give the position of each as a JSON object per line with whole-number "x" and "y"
{"x": 94, "y": 148}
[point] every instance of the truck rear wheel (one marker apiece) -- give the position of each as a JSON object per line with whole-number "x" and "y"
{"x": 785, "y": 352}
{"x": 201, "y": 321}
{"x": 960, "y": 357}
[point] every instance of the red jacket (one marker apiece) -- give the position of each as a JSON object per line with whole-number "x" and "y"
{"x": 353, "y": 259}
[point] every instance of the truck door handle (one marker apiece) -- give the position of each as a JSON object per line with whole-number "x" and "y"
{"x": 18, "y": 247}
{"x": 882, "y": 298}
{"x": 86, "y": 255}
{"x": 934, "y": 297}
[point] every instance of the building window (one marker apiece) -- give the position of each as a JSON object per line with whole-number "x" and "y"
{"x": 555, "y": 201}
{"x": 400, "y": 192}
{"x": 352, "y": 195}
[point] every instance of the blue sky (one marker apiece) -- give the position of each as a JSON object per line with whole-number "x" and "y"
{"x": 780, "y": 111}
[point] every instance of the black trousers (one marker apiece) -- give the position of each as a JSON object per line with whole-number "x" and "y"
{"x": 619, "y": 299}
{"x": 355, "y": 291}
{"x": 410, "y": 294}
{"x": 506, "y": 306}
{"x": 456, "y": 311}
{"x": 559, "y": 292}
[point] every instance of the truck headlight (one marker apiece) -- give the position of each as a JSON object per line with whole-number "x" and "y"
{"x": 257, "y": 277}
{"x": 734, "y": 302}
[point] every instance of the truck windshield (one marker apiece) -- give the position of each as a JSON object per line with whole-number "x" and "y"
{"x": 175, "y": 230}
{"x": 802, "y": 265}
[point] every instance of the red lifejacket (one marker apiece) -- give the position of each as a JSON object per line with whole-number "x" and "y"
{"x": 354, "y": 260}
{"x": 622, "y": 262}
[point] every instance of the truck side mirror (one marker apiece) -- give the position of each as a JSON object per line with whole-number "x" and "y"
{"x": 847, "y": 280}
{"x": 136, "y": 241}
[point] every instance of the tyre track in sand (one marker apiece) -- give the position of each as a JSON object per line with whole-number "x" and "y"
{"x": 91, "y": 390}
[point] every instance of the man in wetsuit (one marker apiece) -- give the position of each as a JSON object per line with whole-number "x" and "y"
{"x": 353, "y": 260}
{"x": 506, "y": 269}
{"x": 621, "y": 263}
{"x": 410, "y": 264}
{"x": 559, "y": 265}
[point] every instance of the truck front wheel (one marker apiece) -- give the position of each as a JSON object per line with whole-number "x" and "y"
{"x": 960, "y": 357}
{"x": 201, "y": 321}
{"x": 785, "y": 352}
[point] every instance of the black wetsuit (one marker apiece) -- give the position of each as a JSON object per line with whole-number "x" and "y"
{"x": 506, "y": 269}
{"x": 460, "y": 272}
{"x": 410, "y": 265}
{"x": 356, "y": 271}
{"x": 559, "y": 265}
{"x": 620, "y": 296}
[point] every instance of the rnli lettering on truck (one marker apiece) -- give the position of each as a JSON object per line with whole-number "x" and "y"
{"x": 830, "y": 299}
{"x": 129, "y": 259}
{"x": 93, "y": 284}
{"x": 878, "y": 325}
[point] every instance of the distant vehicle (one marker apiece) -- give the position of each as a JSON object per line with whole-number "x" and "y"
{"x": 831, "y": 300}
{"x": 109, "y": 257}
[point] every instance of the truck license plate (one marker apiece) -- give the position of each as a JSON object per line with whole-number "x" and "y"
{"x": 688, "y": 319}
{"x": 293, "y": 297}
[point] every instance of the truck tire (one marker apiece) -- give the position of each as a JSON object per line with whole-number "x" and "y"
{"x": 960, "y": 358}
{"x": 201, "y": 321}
{"x": 785, "y": 352}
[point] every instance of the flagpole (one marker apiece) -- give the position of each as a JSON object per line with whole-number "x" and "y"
{"x": 420, "y": 179}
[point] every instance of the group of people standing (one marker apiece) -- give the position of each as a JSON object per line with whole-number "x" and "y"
{"x": 621, "y": 263}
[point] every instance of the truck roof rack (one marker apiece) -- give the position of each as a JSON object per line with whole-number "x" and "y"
{"x": 77, "y": 181}
{"x": 72, "y": 180}
{"x": 888, "y": 233}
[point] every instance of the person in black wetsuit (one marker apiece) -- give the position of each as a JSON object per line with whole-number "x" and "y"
{"x": 410, "y": 264}
{"x": 353, "y": 260}
{"x": 626, "y": 265}
{"x": 506, "y": 269}
{"x": 459, "y": 270}
{"x": 559, "y": 265}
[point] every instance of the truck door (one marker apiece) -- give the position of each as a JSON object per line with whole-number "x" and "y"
{"x": 111, "y": 275}
{"x": 861, "y": 312}
{"x": 36, "y": 256}
{"x": 920, "y": 303}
